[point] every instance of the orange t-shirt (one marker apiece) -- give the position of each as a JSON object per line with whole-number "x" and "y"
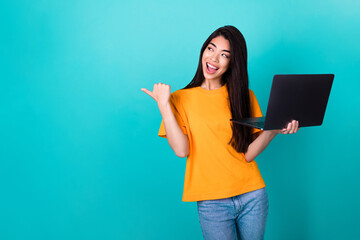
{"x": 214, "y": 169}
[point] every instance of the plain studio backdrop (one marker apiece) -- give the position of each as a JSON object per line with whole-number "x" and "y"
{"x": 80, "y": 157}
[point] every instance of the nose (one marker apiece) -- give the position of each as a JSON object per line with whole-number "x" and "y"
{"x": 215, "y": 57}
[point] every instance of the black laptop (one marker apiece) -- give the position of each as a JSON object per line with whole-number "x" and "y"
{"x": 301, "y": 97}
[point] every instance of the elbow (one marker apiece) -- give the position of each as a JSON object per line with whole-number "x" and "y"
{"x": 247, "y": 158}
{"x": 182, "y": 154}
{"x": 182, "y": 151}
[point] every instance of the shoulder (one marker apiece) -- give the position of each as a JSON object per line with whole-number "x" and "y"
{"x": 252, "y": 98}
{"x": 251, "y": 95}
{"x": 181, "y": 95}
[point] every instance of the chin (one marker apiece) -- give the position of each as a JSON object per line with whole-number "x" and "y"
{"x": 212, "y": 77}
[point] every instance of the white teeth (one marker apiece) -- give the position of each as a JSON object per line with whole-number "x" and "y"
{"x": 211, "y": 66}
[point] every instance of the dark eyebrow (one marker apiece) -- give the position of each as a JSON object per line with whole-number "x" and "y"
{"x": 223, "y": 49}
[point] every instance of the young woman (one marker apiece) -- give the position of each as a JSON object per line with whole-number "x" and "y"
{"x": 221, "y": 174}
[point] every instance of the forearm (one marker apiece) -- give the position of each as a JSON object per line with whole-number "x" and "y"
{"x": 259, "y": 145}
{"x": 177, "y": 140}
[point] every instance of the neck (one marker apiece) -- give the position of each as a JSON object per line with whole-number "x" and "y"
{"x": 211, "y": 84}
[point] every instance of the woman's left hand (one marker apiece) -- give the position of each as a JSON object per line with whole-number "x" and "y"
{"x": 292, "y": 127}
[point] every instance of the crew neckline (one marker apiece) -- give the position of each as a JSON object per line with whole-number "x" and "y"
{"x": 220, "y": 89}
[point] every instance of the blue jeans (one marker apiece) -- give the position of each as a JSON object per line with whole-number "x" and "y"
{"x": 240, "y": 217}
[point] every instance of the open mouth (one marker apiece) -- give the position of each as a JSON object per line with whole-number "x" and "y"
{"x": 211, "y": 68}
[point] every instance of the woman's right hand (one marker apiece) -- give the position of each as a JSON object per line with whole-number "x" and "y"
{"x": 161, "y": 93}
{"x": 178, "y": 141}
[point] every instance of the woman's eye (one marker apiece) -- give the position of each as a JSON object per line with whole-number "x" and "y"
{"x": 224, "y": 55}
{"x": 210, "y": 48}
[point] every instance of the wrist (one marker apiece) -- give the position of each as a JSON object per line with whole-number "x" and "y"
{"x": 164, "y": 106}
{"x": 271, "y": 133}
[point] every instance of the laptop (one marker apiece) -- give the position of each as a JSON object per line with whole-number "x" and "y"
{"x": 301, "y": 97}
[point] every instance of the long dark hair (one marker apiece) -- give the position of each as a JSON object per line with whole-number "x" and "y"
{"x": 237, "y": 81}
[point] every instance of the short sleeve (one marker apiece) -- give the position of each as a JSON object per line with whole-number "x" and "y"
{"x": 179, "y": 116}
{"x": 255, "y": 109}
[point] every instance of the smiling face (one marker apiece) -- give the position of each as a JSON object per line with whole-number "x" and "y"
{"x": 216, "y": 58}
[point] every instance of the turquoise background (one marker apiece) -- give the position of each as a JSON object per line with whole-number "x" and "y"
{"x": 79, "y": 153}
